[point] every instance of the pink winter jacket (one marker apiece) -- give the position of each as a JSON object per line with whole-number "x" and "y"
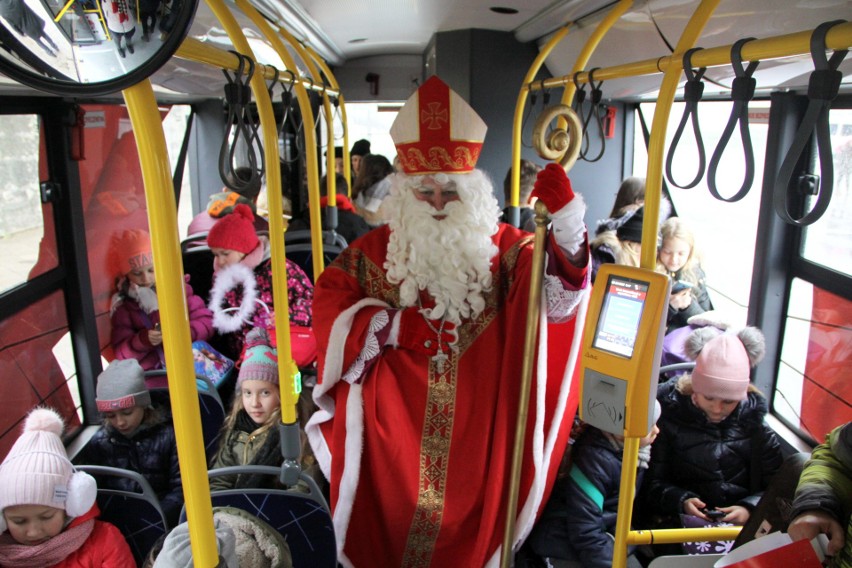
{"x": 130, "y": 325}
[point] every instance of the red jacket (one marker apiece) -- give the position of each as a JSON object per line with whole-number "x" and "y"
{"x": 105, "y": 547}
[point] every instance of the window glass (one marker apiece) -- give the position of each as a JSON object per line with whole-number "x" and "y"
{"x": 21, "y": 216}
{"x": 826, "y": 242}
{"x": 813, "y": 391}
{"x": 726, "y": 255}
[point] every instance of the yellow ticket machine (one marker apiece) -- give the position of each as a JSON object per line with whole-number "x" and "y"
{"x": 622, "y": 343}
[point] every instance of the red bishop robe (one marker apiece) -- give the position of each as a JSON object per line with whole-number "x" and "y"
{"x": 419, "y": 459}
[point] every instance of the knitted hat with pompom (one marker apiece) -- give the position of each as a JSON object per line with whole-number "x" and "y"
{"x": 37, "y": 471}
{"x": 235, "y": 231}
{"x": 261, "y": 360}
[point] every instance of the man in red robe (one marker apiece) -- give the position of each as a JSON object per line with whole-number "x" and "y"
{"x": 420, "y": 326}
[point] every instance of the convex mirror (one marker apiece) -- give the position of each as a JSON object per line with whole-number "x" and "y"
{"x": 89, "y": 47}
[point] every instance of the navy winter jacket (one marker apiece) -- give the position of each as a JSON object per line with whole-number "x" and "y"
{"x": 152, "y": 452}
{"x": 582, "y": 508}
{"x": 693, "y": 457}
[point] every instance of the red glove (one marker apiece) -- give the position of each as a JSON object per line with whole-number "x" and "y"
{"x": 416, "y": 334}
{"x": 553, "y": 187}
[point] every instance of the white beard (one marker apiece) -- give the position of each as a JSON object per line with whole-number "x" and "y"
{"x": 449, "y": 257}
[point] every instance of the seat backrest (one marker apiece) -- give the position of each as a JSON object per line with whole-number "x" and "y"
{"x": 685, "y": 561}
{"x": 198, "y": 263}
{"x": 209, "y": 403}
{"x": 671, "y": 371}
{"x": 138, "y": 515}
{"x": 302, "y": 518}
{"x": 298, "y": 249}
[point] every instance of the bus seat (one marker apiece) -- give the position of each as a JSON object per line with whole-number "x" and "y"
{"x": 671, "y": 371}
{"x": 298, "y": 248}
{"x": 198, "y": 263}
{"x": 304, "y": 519}
{"x": 685, "y": 561}
{"x": 209, "y": 402}
{"x": 138, "y": 515}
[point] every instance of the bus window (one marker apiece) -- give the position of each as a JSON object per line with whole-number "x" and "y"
{"x": 813, "y": 390}
{"x": 21, "y": 218}
{"x": 826, "y": 242}
{"x": 727, "y": 256}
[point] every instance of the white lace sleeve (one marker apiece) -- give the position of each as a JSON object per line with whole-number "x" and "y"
{"x": 561, "y": 303}
{"x": 370, "y": 351}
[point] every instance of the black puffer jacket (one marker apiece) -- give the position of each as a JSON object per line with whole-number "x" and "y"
{"x": 152, "y": 452}
{"x": 693, "y": 457}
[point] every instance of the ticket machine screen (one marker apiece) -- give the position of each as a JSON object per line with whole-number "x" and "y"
{"x": 619, "y": 319}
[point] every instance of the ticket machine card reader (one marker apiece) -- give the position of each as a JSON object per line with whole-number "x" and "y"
{"x": 622, "y": 344}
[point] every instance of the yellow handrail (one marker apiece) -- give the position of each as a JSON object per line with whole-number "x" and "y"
{"x": 162, "y": 221}
{"x": 517, "y": 128}
{"x": 788, "y": 45}
{"x": 314, "y": 212}
{"x": 653, "y": 185}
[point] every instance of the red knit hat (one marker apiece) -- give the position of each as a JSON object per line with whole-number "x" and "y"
{"x": 235, "y": 231}
{"x": 130, "y": 250}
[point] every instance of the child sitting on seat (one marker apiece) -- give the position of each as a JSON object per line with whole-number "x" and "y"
{"x": 250, "y": 433}
{"x": 241, "y": 297}
{"x": 135, "y": 312}
{"x": 577, "y": 526}
{"x": 48, "y": 508}
{"x": 677, "y": 258}
{"x": 137, "y": 435}
{"x": 714, "y": 455}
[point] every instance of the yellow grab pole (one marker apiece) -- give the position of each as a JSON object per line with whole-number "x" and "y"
{"x": 162, "y": 221}
{"x": 518, "y": 124}
{"x": 347, "y": 167}
{"x": 288, "y": 371}
{"x": 530, "y": 337}
{"x": 653, "y": 185}
{"x": 788, "y": 45}
{"x": 591, "y": 44}
{"x": 313, "y": 175}
{"x": 674, "y": 536}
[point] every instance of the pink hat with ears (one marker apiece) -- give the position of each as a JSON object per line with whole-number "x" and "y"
{"x": 723, "y": 362}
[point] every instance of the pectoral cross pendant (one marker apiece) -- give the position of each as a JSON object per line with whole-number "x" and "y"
{"x": 439, "y": 359}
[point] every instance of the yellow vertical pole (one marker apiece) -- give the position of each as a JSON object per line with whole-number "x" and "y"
{"x": 286, "y": 372}
{"x": 313, "y": 175}
{"x": 347, "y": 166}
{"x": 162, "y": 221}
{"x": 653, "y": 190}
{"x": 592, "y": 44}
{"x": 518, "y": 125}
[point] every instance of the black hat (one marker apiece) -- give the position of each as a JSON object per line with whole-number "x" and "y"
{"x": 360, "y": 148}
{"x": 631, "y": 229}
{"x": 338, "y": 152}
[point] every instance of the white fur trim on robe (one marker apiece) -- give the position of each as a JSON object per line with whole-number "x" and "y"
{"x": 332, "y": 373}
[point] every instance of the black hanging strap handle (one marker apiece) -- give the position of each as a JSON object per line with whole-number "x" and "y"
{"x": 238, "y": 99}
{"x": 742, "y": 92}
{"x": 577, "y": 106}
{"x": 823, "y": 86}
{"x": 692, "y": 92}
{"x": 594, "y": 111}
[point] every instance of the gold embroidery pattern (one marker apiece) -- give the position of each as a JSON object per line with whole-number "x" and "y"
{"x": 440, "y": 404}
{"x": 439, "y": 159}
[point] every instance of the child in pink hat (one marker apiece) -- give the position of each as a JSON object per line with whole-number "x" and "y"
{"x": 48, "y": 508}
{"x": 715, "y": 454}
{"x": 241, "y": 297}
{"x": 135, "y": 311}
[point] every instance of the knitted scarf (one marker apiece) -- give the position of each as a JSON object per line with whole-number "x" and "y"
{"x": 53, "y": 551}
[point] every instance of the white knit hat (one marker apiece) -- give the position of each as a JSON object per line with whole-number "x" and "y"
{"x": 37, "y": 471}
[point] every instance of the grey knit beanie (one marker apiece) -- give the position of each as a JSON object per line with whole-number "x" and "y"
{"x": 122, "y": 385}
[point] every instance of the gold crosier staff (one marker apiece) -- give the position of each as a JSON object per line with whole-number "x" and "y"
{"x": 561, "y": 145}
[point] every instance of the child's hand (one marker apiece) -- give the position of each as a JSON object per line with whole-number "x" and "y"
{"x": 155, "y": 337}
{"x": 681, "y": 300}
{"x": 693, "y": 506}
{"x": 735, "y": 514}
